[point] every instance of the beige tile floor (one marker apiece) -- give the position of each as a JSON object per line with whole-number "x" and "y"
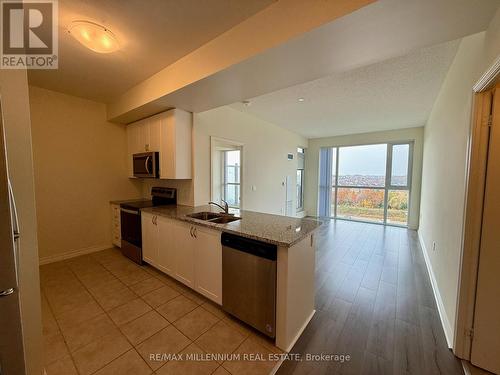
{"x": 103, "y": 314}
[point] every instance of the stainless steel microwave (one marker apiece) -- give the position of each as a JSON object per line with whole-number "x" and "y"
{"x": 146, "y": 165}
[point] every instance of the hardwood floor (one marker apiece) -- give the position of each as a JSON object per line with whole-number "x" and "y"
{"x": 374, "y": 302}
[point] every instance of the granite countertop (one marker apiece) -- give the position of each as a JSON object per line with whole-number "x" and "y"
{"x": 275, "y": 229}
{"x": 129, "y": 200}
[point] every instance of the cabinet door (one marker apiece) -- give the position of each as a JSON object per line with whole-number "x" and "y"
{"x": 167, "y": 145}
{"x": 133, "y": 145}
{"x": 184, "y": 254}
{"x": 175, "y": 145}
{"x": 166, "y": 245}
{"x": 116, "y": 225}
{"x": 208, "y": 264}
{"x": 154, "y": 133}
{"x": 149, "y": 239}
{"x": 145, "y": 137}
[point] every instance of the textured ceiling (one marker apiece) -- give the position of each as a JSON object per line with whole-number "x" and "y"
{"x": 152, "y": 34}
{"x": 393, "y": 94}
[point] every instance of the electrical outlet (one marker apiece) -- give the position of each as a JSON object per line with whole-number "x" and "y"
{"x": 433, "y": 245}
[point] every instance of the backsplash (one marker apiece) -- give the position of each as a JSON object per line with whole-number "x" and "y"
{"x": 184, "y": 188}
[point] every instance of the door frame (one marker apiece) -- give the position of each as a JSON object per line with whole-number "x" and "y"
{"x": 477, "y": 153}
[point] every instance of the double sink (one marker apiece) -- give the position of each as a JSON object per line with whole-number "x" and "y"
{"x": 214, "y": 217}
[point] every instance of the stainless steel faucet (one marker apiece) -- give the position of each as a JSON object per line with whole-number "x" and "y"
{"x": 225, "y": 208}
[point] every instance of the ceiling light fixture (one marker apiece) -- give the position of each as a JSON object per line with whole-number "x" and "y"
{"x": 247, "y": 103}
{"x": 94, "y": 36}
{"x": 301, "y": 99}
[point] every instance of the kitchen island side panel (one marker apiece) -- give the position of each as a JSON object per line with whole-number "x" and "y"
{"x": 295, "y": 291}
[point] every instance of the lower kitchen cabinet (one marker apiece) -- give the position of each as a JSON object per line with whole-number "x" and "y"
{"x": 189, "y": 253}
{"x": 166, "y": 246}
{"x": 184, "y": 253}
{"x": 116, "y": 224}
{"x": 149, "y": 239}
{"x": 208, "y": 263}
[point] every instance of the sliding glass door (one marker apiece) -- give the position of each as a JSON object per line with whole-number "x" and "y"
{"x": 366, "y": 183}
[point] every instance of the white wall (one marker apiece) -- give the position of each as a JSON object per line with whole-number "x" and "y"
{"x": 312, "y": 163}
{"x": 80, "y": 165}
{"x": 264, "y": 158}
{"x": 16, "y": 118}
{"x": 444, "y": 167}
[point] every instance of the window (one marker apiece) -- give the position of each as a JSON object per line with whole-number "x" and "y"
{"x": 300, "y": 178}
{"x": 231, "y": 178}
{"x": 398, "y": 199}
{"x": 366, "y": 183}
{"x": 226, "y": 172}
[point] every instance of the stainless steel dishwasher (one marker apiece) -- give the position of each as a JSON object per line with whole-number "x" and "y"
{"x": 249, "y": 281}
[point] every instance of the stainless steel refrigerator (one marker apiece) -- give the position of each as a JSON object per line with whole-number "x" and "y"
{"x": 12, "y": 361}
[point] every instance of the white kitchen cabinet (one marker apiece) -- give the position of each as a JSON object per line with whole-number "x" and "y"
{"x": 144, "y": 136}
{"x": 208, "y": 263}
{"x": 170, "y": 134}
{"x": 184, "y": 253}
{"x": 149, "y": 238}
{"x": 166, "y": 246}
{"x": 133, "y": 145}
{"x": 116, "y": 231}
{"x": 154, "y": 127}
{"x": 175, "y": 148}
{"x": 189, "y": 253}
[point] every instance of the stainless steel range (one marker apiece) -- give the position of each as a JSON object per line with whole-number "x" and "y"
{"x": 130, "y": 214}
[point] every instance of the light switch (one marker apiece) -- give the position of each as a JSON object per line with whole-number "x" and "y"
{"x": 254, "y": 188}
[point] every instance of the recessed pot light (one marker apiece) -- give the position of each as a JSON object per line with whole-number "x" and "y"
{"x": 300, "y": 99}
{"x": 93, "y": 36}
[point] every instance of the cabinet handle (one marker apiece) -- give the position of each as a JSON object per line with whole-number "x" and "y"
{"x": 156, "y": 220}
{"x": 194, "y": 232}
{"x": 146, "y": 165}
{"x": 312, "y": 240}
{"x": 191, "y": 231}
{"x": 152, "y": 220}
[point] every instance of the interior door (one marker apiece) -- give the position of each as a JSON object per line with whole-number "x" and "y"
{"x": 486, "y": 340}
{"x": 11, "y": 339}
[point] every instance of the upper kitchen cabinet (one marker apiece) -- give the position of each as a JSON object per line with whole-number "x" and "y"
{"x": 169, "y": 133}
{"x": 175, "y": 147}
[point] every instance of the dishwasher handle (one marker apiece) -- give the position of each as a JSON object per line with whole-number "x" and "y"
{"x": 250, "y": 246}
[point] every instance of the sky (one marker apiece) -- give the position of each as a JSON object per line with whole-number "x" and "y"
{"x": 371, "y": 160}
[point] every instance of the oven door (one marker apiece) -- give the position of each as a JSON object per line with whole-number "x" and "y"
{"x": 145, "y": 164}
{"x": 131, "y": 226}
{"x": 131, "y": 234}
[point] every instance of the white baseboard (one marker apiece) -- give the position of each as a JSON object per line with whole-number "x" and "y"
{"x": 447, "y": 327}
{"x": 73, "y": 254}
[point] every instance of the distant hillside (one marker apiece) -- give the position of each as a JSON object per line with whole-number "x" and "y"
{"x": 367, "y": 180}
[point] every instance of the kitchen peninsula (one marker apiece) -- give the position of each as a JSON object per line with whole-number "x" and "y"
{"x": 179, "y": 243}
